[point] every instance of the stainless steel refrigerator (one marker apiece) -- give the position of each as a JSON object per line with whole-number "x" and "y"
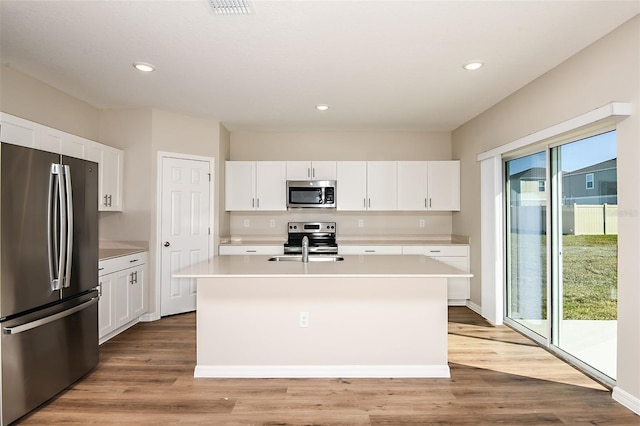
{"x": 49, "y": 276}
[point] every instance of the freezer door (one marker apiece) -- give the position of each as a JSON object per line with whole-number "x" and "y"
{"x": 44, "y": 354}
{"x": 26, "y": 179}
{"x": 83, "y": 272}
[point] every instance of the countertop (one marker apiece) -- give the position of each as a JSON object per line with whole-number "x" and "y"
{"x": 352, "y": 266}
{"x": 110, "y": 253}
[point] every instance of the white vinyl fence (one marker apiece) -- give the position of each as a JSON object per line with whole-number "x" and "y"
{"x": 583, "y": 219}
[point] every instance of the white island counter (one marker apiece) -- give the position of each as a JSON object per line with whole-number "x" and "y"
{"x": 366, "y": 316}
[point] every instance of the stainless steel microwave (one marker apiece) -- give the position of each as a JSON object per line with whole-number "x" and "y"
{"x": 311, "y": 194}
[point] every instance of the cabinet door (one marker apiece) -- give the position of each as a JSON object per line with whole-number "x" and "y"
{"x": 382, "y": 186}
{"x": 106, "y": 312}
{"x": 112, "y": 178}
{"x": 49, "y": 139}
{"x": 138, "y": 288}
{"x": 351, "y": 185}
{"x": 18, "y": 131}
{"x": 271, "y": 185}
{"x": 73, "y": 146}
{"x": 122, "y": 297}
{"x": 412, "y": 185}
{"x": 240, "y": 185}
{"x": 444, "y": 185}
{"x": 323, "y": 170}
{"x": 298, "y": 170}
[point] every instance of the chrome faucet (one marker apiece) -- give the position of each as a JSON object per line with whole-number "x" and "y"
{"x": 305, "y": 249}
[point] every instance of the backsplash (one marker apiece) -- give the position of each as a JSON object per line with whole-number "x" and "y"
{"x": 263, "y": 225}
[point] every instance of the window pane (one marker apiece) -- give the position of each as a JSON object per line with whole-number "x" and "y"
{"x": 526, "y": 242}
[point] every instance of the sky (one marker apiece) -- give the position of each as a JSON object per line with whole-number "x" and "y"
{"x": 575, "y": 155}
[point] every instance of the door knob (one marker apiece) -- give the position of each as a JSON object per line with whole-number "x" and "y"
{"x": 167, "y": 244}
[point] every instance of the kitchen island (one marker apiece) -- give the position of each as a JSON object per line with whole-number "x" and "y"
{"x": 364, "y": 316}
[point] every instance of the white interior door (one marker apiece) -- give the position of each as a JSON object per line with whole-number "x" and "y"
{"x": 185, "y": 229}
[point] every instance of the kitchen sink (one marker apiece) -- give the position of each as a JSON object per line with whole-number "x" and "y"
{"x": 312, "y": 258}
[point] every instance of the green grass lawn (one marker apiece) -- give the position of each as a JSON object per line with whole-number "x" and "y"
{"x": 590, "y": 276}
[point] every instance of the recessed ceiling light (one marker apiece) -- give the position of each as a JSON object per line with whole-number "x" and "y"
{"x": 143, "y": 66}
{"x": 473, "y": 65}
{"x": 322, "y": 107}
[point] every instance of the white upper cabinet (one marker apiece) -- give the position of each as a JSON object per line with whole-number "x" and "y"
{"x": 110, "y": 167}
{"x": 311, "y": 170}
{"x": 429, "y": 185}
{"x": 366, "y": 185}
{"x": 382, "y": 185}
{"x": 444, "y": 185}
{"x": 351, "y": 185}
{"x": 412, "y": 185}
{"x": 255, "y": 185}
{"x": 271, "y": 182}
{"x": 18, "y": 131}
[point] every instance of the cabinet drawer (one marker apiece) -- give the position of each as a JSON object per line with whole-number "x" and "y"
{"x": 369, "y": 249}
{"x": 251, "y": 250}
{"x": 437, "y": 251}
{"x": 115, "y": 264}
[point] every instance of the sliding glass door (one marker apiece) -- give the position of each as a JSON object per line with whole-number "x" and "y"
{"x": 562, "y": 249}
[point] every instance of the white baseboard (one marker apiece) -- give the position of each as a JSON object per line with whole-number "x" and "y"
{"x": 150, "y": 317}
{"x": 626, "y": 399}
{"x": 475, "y": 308}
{"x": 322, "y": 371}
{"x": 457, "y": 302}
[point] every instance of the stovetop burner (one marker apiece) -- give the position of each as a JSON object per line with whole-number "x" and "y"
{"x": 322, "y": 237}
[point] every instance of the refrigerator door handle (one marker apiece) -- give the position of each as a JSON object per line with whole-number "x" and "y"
{"x": 69, "y": 236}
{"x": 57, "y": 217}
{"x": 51, "y": 318}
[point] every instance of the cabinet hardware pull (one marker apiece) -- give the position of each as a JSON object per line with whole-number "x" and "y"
{"x": 369, "y": 202}
{"x": 434, "y": 251}
{"x": 369, "y": 251}
{"x": 425, "y": 203}
{"x": 308, "y": 172}
{"x": 134, "y": 260}
{"x": 253, "y": 203}
{"x": 251, "y": 251}
{"x": 313, "y": 174}
{"x": 364, "y": 203}
{"x": 258, "y": 203}
{"x": 166, "y": 244}
{"x": 429, "y": 202}
{"x": 105, "y": 201}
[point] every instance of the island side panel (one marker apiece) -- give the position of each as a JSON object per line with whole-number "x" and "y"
{"x": 358, "y": 327}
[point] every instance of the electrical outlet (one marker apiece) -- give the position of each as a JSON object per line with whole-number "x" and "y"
{"x": 303, "y": 320}
{"x": 247, "y": 223}
{"x": 360, "y": 223}
{"x": 272, "y": 223}
{"x": 421, "y": 223}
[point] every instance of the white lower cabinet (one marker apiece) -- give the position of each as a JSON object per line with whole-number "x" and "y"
{"x": 458, "y": 289}
{"x": 275, "y": 250}
{"x": 123, "y": 293}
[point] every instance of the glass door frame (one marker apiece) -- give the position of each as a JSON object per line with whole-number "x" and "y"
{"x": 553, "y": 250}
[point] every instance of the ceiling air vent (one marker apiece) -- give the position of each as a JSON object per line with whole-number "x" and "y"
{"x": 231, "y": 7}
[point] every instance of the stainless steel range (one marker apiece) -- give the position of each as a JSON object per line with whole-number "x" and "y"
{"x": 321, "y": 235}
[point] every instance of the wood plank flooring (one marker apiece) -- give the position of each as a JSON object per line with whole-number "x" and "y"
{"x": 145, "y": 376}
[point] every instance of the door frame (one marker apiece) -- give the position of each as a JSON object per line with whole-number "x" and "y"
{"x": 158, "y": 253}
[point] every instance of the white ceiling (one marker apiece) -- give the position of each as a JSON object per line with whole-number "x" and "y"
{"x": 380, "y": 65}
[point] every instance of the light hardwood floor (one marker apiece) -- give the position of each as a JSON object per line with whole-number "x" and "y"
{"x": 145, "y": 376}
